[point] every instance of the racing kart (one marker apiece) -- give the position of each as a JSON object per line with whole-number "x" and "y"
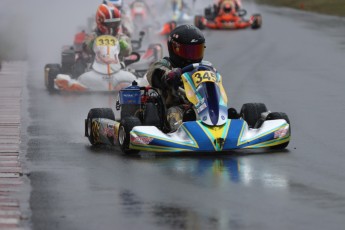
{"x": 106, "y": 73}
{"x": 231, "y": 20}
{"x": 207, "y": 125}
{"x": 75, "y": 62}
{"x": 139, "y": 12}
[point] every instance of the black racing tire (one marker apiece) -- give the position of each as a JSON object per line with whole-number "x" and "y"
{"x": 50, "y": 73}
{"x": 151, "y": 116}
{"x": 251, "y": 113}
{"x": 198, "y": 22}
{"x": 257, "y": 22}
{"x": 275, "y": 116}
{"x": 208, "y": 12}
{"x": 126, "y": 125}
{"x": 93, "y": 114}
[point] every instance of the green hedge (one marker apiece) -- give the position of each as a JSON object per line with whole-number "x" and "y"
{"x": 332, "y": 7}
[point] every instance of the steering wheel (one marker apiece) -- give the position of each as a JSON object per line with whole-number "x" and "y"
{"x": 197, "y": 67}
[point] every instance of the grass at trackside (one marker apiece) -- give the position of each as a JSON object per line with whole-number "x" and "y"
{"x": 332, "y": 7}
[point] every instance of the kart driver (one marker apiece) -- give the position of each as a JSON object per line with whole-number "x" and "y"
{"x": 186, "y": 45}
{"x": 108, "y": 20}
{"x": 222, "y": 3}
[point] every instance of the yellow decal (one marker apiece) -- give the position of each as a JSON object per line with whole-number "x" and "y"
{"x": 106, "y": 40}
{"x": 222, "y": 91}
{"x": 190, "y": 94}
{"x": 203, "y": 76}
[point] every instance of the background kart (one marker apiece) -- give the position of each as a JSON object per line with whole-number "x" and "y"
{"x": 208, "y": 126}
{"x": 107, "y": 72}
{"x": 74, "y": 64}
{"x": 212, "y": 20}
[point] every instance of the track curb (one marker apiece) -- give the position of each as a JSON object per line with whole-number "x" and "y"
{"x": 12, "y": 178}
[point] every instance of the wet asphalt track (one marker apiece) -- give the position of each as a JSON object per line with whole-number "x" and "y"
{"x": 294, "y": 64}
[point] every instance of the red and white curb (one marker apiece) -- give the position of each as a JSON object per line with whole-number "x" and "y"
{"x": 11, "y": 171}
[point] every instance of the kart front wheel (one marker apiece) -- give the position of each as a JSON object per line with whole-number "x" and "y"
{"x": 251, "y": 113}
{"x": 50, "y": 73}
{"x": 91, "y": 129}
{"x": 126, "y": 126}
{"x": 198, "y": 22}
{"x": 275, "y": 116}
{"x": 257, "y": 21}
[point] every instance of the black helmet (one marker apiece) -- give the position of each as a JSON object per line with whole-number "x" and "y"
{"x": 186, "y": 45}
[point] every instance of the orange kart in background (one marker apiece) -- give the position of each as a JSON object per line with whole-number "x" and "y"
{"x": 226, "y": 16}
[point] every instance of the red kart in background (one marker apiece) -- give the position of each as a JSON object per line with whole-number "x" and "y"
{"x": 226, "y": 16}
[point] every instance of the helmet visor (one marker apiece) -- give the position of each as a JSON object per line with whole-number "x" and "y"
{"x": 189, "y": 52}
{"x": 112, "y": 23}
{"x": 227, "y": 9}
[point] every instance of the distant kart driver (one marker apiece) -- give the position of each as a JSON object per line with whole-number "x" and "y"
{"x": 236, "y": 4}
{"x": 108, "y": 20}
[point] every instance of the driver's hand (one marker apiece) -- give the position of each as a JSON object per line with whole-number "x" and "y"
{"x": 173, "y": 78}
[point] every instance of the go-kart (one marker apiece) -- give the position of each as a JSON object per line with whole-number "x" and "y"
{"x": 233, "y": 20}
{"x": 139, "y": 12}
{"x": 207, "y": 125}
{"x": 106, "y": 73}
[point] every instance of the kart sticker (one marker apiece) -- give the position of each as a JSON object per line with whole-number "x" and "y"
{"x": 95, "y": 131}
{"x": 203, "y": 76}
{"x": 106, "y": 40}
{"x": 281, "y": 133}
{"x": 108, "y": 131}
{"x": 141, "y": 140}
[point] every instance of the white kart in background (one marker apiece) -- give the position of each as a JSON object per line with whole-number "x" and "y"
{"x": 106, "y": 73}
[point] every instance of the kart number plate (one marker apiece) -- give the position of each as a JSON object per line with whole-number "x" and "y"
{"x": 203, "y": 76}
{"x": 106, "y": 40}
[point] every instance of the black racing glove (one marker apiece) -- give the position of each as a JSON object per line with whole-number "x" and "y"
{"x": 172, "y": 79}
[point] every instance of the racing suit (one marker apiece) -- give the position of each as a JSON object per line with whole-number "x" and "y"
{"x": 178, "y": 109}
{"x": 155, "y": 76}
{"x": 125, "y": 43}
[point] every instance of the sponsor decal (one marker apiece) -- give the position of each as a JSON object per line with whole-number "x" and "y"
{"x": 223, "y": 118}
{"x": 141, "y": 140}
{"x": 116, "y": 132}
{"x": 95, "y": 131}
{"x": 201, "y": 107}
{"x": 108, "y": 131}
{"x": 281, "y": 133}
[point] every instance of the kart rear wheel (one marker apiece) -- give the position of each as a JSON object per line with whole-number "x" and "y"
{"x": 50, "y": 73}
{"x": 126, "y": 125}
{"x": 251, "y": 113}
{"x": 209, "y": 14}
{"x": 257, "y": 21}
{"x": 90, "y": 130}
{"x": 275, "y": 116}
{"x": 198, "y": 22}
